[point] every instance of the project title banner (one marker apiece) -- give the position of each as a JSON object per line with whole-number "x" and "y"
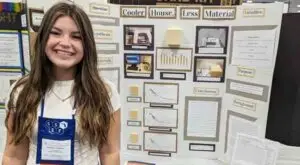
{"x": 207, "y": 13}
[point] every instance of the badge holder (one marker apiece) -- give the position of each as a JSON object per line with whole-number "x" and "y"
{"x": 55, "y": 143}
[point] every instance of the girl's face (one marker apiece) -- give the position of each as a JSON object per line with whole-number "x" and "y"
{"x": 64, "y": 46}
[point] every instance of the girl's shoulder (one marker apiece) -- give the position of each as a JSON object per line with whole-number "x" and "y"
{"x": 19, "y": 85}
{"x": 110, "y": 86}
{"x": 18, "y": 82}
{"x": 113, "y": 93}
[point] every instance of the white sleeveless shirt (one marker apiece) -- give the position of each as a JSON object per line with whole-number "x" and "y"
{"x": 55, "y": 108}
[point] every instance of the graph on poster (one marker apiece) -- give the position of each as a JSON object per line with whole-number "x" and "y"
{"x": 173, "y": 60}
{"x": 178, "y": 59}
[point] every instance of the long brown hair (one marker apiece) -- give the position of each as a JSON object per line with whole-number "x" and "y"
{"x": 90, "y": 92}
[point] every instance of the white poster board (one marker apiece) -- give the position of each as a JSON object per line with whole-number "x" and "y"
{"x": 178, "y": 103}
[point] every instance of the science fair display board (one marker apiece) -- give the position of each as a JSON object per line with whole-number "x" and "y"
{"x": 13, "y": 54}
{"x": 193, "y": 77}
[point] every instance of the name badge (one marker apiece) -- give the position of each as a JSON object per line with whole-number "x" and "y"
{"x": 55, "y": 143}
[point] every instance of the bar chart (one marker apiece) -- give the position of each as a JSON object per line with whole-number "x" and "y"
{"x": 174, "y": 59}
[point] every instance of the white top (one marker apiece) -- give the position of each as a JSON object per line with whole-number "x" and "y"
{"x": 55, "y": 108}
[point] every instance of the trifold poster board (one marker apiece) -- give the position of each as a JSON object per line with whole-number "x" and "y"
{"x": 14, "y": 55}
{"x": 193, "y": 77}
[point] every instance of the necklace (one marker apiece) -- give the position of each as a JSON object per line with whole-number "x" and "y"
{"x": 61, "y": 99}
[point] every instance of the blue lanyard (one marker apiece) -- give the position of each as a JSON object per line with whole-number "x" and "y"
{"x": 43, "y": 107}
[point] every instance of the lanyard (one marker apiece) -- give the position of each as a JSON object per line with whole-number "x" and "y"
{"x": 43, "y": 107}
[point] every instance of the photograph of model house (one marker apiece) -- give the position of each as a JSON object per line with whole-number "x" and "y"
{"x": 209, "y": 69}
{"x": 138, "y": 65}
{"x": 211, "y": 40}
{"x": 138, "y": 37}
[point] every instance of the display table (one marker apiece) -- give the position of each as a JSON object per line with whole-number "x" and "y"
{"x": 172, "y": 161}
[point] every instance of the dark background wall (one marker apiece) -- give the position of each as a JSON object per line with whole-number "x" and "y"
{"x": 284, "y": 111}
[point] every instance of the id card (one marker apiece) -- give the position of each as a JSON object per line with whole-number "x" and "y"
{"x": 56, "y": 150}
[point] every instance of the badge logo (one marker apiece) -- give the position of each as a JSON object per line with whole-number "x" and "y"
{"x": 55, "y": 127}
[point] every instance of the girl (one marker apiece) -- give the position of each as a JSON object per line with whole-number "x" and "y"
{"x": 63, "y": 112}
